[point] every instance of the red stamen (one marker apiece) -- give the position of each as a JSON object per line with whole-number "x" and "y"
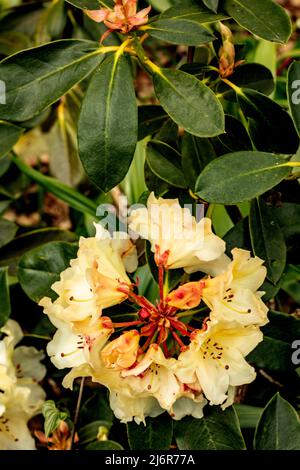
{"x": 149, "y": 340}
{"x": 178, "y": 325}
{"x": 126, "y": 324}
{"x": 165, "y": 349}
{"x": 183, "y": 347}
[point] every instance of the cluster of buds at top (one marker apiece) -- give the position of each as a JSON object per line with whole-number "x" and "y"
{"x": 123, "y": 18}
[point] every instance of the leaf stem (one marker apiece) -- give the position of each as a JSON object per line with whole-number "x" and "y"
{"x": 77, "y": 411}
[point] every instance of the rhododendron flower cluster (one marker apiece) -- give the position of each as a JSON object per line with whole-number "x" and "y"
{"x": 21, "y": 396}
{"x": 186, "y": 349}
{"x": 124, "y": 17}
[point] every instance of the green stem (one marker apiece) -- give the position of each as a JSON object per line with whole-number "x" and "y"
{"x": 191, "y": 313}
{"x": 32, "y": 335}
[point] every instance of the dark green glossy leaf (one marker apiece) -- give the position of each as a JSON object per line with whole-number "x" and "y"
{"x": 165, "y": 163}
{"x": 240, "y": 176}
{"x": 238, "y": 236}
{"x": 291, "y": 282}
{"x": 11, "y": 253}
{"x": 264, "y": 18}
{"x": 64, "y": 192}
{"x": 267, "y": 239}
{"x": 5, "y": 308}
{"x": 151, "y": 118}
{"x": 251, "y": 76}
{"x": 248, "y": 415}
{"x": 235, "y": 138}
{"x": 293, "y": 92}
{"x": 96, "y": 408}
{"x": 107, "y": 147}
{"x": 271, "y": 123}
{"x": 212, "y": 4}
{"x": 217, "y": 430}
{"x": 288, "y": 216}
{"x": 41, "y": 267}
{"x": 9, "y": 135}
{"x": 89, "y": 4}
{"x": 154, "y": 183}
{"x": 89, "y": 432}
{"x": 156, "y": 435}
{"x": 278, "y": 427}
{"x": 180, "y": 31}
{"x": 190, "y": 103}
{"x": 196, "y": 152}
{"x": 7, "y": 231}
{"x": 36, "y": 78}
{"x": 274, "y": 353}
{"x": 104, "y": 445}
{"x": 193, "y": 12}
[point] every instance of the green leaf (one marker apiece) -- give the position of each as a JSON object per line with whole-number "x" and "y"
{"x": 196, "y": 152}
{"x": 104, "y": 445}
{"x": 267, "y": 239}
{"x": 240, "y": 176}
{"x": 88, "y": 4}
{"x": 5, "y": 308}
{"x": 194, "y": 12}
{"x": 236, "y": 137}
{"x": 278, "y": 427}
{"x": 180, "y": 31}
{"x": 273, "y": 355}
{"x": 13, "y": 41}
{"x": 89, "y": 432}
{"x": 274, "y": 352}
{"x": 151, "y": 118}
{"x": 293, "y": 93}
{"x": 106, "y": 147}
{"x": 248, "y": 415}
{"x": 217, "y": 430}
{"x": 238, "y": 236}
{"x": 96, "y": 408}
{"x": 264, "y": 18}
{"x": 291, "y": 282}
{"x": 64, "y": 192}
{"x": 41, "y": 267}
{"x": 156, "y": 435}
{"x": 11, "y": 253}
{"x": 212, "y": 4}
{"x": 165, "y": 163}
{"x": 36, "y": 78}
{"x": 190, "y": 103}
{"x": 288, "y": 216}
{"x": 251, "y": 76}
{"x": 7, "y": 231}
{"x": 9, "y": 135}
{"x": 271, "y": 123}
{"x": 52, "y": 416}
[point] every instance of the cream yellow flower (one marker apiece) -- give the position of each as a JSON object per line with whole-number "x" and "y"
{"x": 160, "y": 360}
{"x": 93, "y": 280}
{"x": 156, "y": 375}
{"x": 122, "y": 352}
{"x": 216, "y": 359}
{"x": 233, "y": 295}
{"x": 22, "y": 396}
{"x": 177, "y": 239}
{"x": 71, "y": 345}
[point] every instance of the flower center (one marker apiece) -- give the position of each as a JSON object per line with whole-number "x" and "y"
{"x": 158, "y": 323}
